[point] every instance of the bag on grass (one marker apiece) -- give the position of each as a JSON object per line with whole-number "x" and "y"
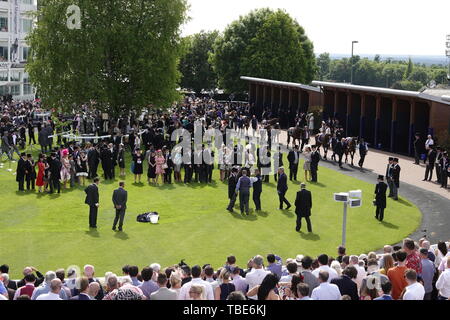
{"x": 151, "y": 217}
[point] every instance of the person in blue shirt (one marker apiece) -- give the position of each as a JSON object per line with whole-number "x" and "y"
{"x": 387, "y": 288}
{"x": 3, "y": 290}
{"x": 427, "y": 275}
{"x": 275, "y": 264}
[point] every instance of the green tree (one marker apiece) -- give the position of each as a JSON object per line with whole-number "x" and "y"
{"x": 419, "y": 74}
{"x": 264, "y": 43}
{"x": 392, "y": 72}
{"x": 409, "y": 69}
{"x": 196, "y": 71}
{"x": 124, "y": 56}
{"x": 323, "y": 66}
{"x": 407, "y": 85}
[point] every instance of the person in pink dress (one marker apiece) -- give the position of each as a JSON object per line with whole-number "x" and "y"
{"x": 160, "y": 163}
{"x": 40, "y": 175}
{"x": 65, "y": 167}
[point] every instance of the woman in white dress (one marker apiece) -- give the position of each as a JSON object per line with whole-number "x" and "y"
{"x": 307, "y": 164}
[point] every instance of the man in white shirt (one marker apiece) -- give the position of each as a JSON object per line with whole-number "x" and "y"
{"x": 256, "y": 276}
{"x": 429, "y": 142}
{"x": 196, "y": 280}
{"x": 414, "y": 290}
{"x": 323, "y": 266}
{"x": 292, "y": 269}
{"x": 443, "y": 283}
{"x": 325, "y": 290}
{"x": 55, "y": 289}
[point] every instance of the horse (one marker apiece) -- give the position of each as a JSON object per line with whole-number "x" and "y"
{"x": 350, "y": 148}
{"x": 295, "y": 133}
{"x": 323, "y": 140}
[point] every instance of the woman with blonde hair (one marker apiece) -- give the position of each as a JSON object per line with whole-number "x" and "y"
{"x": 388, "y": 262}
{"x": 307, "y": 164}
{"x": 175, "y": 282}
{"x": 196, "y": 292}
{"x": 225, "y": 288}
{"x": 337, "y": 267}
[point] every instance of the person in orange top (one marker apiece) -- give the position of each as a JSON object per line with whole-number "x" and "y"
{"x": 397, "y": 275}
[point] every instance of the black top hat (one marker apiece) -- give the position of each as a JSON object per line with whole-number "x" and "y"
{"x": 391, "y": 159}
{"x": 396, "y": 159}
{"x": 380, "y": 177}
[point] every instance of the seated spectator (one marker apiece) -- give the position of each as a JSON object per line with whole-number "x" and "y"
{"x": 196, "y": 280}
{"x": 388, "y": 263}
{"x": 256, "y": 275}
{"x": 266, "y": 290}
{"x": 148, "y": 286}
{"x": 386, "y": 289}
{"x": 341, "y": 253}
{"x": 414, "y": 290}
{"x": 28, "y": 288}
{"x": 275, "y": 264}
{"x": 443, "y": 283}
{"x": 53, "y": 294}
{"x": 323, "y": 266}
{"x": 336, "y": 266}
{"x": 209, "y": 276}
{"x": 196, "y": 292}
{"x": 60, "y": 274}
{"x": 226, "y": 286}
{"x": 291, "y": 292}
{"x": 292, "y": 269}
{"x": 396, "y": 275}
{"x": 4, "y": 277}
{"x": 303, "y": 291}
{"x": 374, "y": 277}
{"x": 28, "y": 270}
{"x": 236, "y": 295}
{"x": 133, "y": 272}
{"x": 127, "y": 293}
{"x": 412, "y": 257}
{"x": 93, "y": 290}
{"x": 112, "y": 285}
{"x": 89, "y": 272}
{"x": 175, "y": 282}
{"x": 163, "y": 293}
{"x": 49, "y": 276}
{"x": 83, "y": 292}
{"x": 325, "y": 290}
{"x": 239, "y": 283}
{"x": 426, "y": 245}
{"x": 346, "y": 283}
{"x": 354, "y": 261}
{"x": 308, "y": 277}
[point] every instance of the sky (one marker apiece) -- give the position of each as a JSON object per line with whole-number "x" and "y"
{"x": 396, "y": 27}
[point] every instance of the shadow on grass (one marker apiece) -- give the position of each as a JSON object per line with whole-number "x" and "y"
{"x": 250, "y": 217}
{"x": 263, "y": 214}
{"x": 310, "y": 236}
{"x": 21, "y": 193}
{"x": 389, "y": 225}
{"x": 93, "y": 233}
{"x": 403, "y": 202}
{"x": 321, "y": 185}
{"x": 287, "y": 213}
{"x": 121, "y": 235}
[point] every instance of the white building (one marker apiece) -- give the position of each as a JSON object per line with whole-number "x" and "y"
{"x": 15, "y": 24}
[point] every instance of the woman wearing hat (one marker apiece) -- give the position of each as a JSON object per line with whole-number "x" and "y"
{"x": 138, "y": 160}
{"x": 121, "y": 159}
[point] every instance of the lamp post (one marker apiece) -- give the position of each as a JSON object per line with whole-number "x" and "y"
{"x": 352, "y": 199}
{"x": 351, "y": 73}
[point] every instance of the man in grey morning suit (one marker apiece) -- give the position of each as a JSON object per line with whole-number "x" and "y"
{"x": 119, "y": 198}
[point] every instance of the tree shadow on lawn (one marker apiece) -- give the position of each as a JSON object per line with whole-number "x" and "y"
{"x": 309, "y": 236}
{"x": 389, "y": 225}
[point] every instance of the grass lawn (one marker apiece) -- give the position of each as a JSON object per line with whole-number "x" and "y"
{"x": 51, "y": 231}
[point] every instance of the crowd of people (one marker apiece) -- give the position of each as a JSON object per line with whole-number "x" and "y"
{"x": 412, "y": 271}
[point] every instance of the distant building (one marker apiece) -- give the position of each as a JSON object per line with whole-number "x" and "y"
{"x": 15, "y": 24}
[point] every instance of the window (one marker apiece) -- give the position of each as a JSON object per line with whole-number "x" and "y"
{"x": 15, "y": 90}
{"x": 3, "y": 75}
{"x": 27, "y": 25}
{"x": 3, "y": 24}
{"x": 3, "y": 90}
{"x": 27, "y": 88}
{"x": 25, "y": 53}
{"x": 3, "y": 54}
{"x": 15, "y": 75}
{"x": 27, "y": 1}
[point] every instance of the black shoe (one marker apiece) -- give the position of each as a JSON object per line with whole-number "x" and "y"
{"x": 297, "y": 229}
{"x": 424, "y": 180}
{"x": 120, "y": 229}
{"x": 114, "y": 228}
{"x": 288, "y": 207}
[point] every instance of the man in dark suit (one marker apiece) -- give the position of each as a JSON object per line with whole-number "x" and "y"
{"x": 339, "y": 150}
{"x": 257, "y": 189}
{"x": 92, "y": 199}
{"x": 82, "y": 291}
{"x": 119, "y": 198}
{"x": 346, "y": 283}
{"x": 93, "y": 161}
{"x": 396, "y": 177}
{"x": 232, "y": 182}
{"x": 282, "y": 188}
{"x": 380, "y": 198}
{"x": 303, "y": 205}
{"x": 55, "y": 173}
{"x": 315, "y": 159}
{"x": 293, "y": 158}
{"x": 431, "y": 160}
{"x": 21, "y": 171}
{"x": 389, "y": 180}
{"x": 417, "y": 148}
